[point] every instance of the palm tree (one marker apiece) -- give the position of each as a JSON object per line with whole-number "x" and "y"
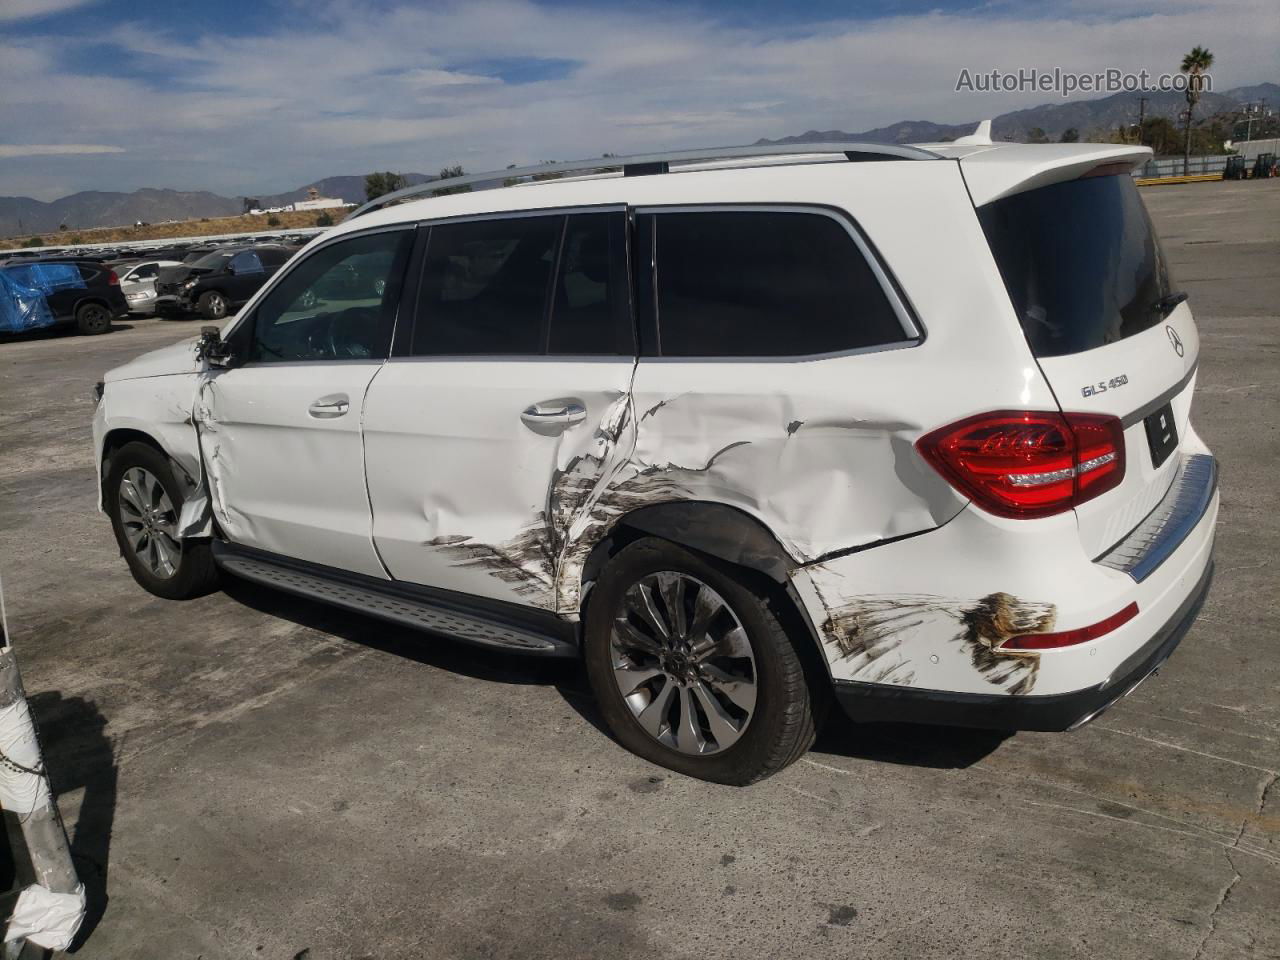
{"x": 1194, "y": 64}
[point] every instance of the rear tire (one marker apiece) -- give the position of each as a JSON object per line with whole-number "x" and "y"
{"x": 144, "y": 500}
{"x": 741, "y": 665}
{"x": 212, "y": 305}
{"x": 93, "y": 318}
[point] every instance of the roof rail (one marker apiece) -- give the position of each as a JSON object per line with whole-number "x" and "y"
{"x": 646, "y": 164}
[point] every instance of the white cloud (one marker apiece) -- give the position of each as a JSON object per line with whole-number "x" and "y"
{"x": 12, "y": 10}
{"x": 55, "y": 149}
{"x": 337, "y": 89}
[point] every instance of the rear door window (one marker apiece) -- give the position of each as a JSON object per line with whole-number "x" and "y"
{"x": 484, "y": 287}
{"x": 1081, "y": 262}
{"x": 765, "y": 284}
{"x": 591, "y": 301}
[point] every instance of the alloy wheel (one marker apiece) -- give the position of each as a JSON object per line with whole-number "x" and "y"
{"x": 150, "y": 522}
{"x": 683, "y": 663}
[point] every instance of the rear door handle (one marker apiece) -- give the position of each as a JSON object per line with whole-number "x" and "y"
{"x": 553, "y": 412}
{"x": 326, "y": 408}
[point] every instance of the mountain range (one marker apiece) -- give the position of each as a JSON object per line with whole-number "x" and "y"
{"x": 1105, "y": 113}
{"x": 95, "y": 208}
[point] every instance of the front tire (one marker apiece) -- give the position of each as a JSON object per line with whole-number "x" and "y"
{"x": 144, "y": 500}
{"x": 93, "y": 318}
{"x": 692, "y": 670}
{"x": 212, "y": 305}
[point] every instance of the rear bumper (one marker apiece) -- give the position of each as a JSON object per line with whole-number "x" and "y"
{"x": 1064, "y": 711}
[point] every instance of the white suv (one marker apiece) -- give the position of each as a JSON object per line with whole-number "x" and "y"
{"x": 747, "y": 431}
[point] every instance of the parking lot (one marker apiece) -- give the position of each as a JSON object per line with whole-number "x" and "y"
{"x": 254, "y": 775}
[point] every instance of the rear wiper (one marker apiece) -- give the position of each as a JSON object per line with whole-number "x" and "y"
{"x": 1166, "y": 304}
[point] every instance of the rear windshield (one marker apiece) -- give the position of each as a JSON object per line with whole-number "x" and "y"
{"x": 1081, "y": 262}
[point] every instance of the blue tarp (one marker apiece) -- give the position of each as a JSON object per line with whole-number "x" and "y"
{"x": 23, "y": 289}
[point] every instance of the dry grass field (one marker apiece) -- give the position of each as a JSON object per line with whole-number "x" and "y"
{"x": 212, "y": 226}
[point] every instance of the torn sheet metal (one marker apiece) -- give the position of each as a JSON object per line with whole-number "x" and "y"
{"x": 24, "y": 289}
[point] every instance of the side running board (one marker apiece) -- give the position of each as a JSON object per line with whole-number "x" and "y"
{"x": 521, "y": 630}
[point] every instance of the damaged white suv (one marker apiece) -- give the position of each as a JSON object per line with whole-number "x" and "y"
{"x": 748, "y": 431}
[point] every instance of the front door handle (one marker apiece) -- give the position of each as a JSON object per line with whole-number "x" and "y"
{"x": 554, "y": 412}
{"x": 326, "y": 408}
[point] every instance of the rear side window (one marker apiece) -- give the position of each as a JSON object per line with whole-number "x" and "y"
{"x": 765, "y": 284}
{"x": 272, "y": 257}
{"x": 525, "y": 286}
{"x": 1081, "y": 263}
{"x": 245, "y": 263}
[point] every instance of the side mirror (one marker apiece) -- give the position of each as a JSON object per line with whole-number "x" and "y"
{"x": 212, "y": 349}
{"x": 231, "y": 269}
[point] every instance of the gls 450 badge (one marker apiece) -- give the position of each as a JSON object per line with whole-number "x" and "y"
{"x": 1102, "y": 386}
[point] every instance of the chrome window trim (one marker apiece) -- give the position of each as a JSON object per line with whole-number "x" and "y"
{"x": 913, "y": 330}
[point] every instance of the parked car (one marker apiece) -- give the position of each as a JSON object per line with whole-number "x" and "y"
{"x": 217, "y": 282}
{"x": 138, "y": 282}
{"x": 748, "y": 435}
{"x": 36, "y": 294}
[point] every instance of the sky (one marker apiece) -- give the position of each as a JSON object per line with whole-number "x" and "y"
{"x": 263, "y": 96}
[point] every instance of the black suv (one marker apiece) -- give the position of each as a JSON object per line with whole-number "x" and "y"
{"x": 219, "y": 281}
{"x": 49, "y": 293}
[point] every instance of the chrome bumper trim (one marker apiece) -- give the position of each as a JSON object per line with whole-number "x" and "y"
{"x": 1151, "y": 542}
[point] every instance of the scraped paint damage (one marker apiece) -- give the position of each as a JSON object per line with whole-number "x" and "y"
{"x": 585, "y": 497}
{"x": 804, "y": 486}
{"x": 870, "y": 633}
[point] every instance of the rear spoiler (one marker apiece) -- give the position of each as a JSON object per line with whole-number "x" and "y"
{"x": 1005, "y": 169}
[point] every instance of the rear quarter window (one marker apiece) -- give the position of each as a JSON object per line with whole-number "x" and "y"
{"x": 765, "y": 284}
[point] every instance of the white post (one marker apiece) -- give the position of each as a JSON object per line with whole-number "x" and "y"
{"x": 48, "y": 912}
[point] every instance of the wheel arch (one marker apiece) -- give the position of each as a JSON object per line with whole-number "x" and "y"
{"x": 118, "y": 437}
{"x": 732, "y": 536}
{"x": 92, "y": 299}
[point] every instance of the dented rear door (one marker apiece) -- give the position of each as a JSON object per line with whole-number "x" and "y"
{"x": 486, "y": 435}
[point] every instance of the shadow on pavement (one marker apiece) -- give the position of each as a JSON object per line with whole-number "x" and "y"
{"x": 79, "y": 756}
{"x": 899, "y": 743}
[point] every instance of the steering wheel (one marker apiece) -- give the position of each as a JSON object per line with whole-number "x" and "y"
{"x": 349, "y": 348}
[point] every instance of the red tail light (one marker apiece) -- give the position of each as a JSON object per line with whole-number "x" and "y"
{"x": 1069, "y": 638}
{"x": 1024, "y": 464}
{"x": 112, "y": 279}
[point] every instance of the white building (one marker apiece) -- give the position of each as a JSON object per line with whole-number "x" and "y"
{"x": 318, "y": 203}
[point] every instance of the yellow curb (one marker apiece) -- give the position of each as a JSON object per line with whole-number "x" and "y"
{"x": 1194, "y": 178}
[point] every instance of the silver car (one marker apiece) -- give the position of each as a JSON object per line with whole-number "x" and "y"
{"x": 138, "y": 282}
